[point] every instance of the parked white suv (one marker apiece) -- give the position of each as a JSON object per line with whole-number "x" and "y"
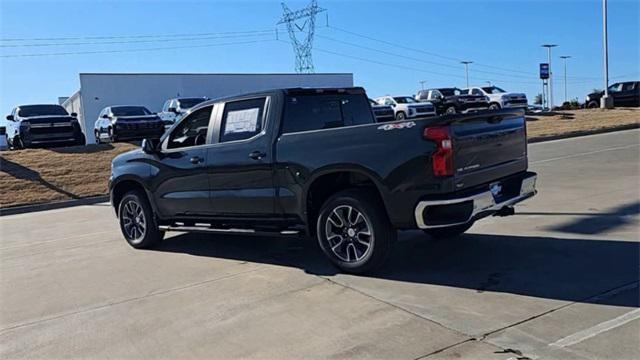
{"x": 498, "y": 98}
{"x": 174, "y": 108}
{"x": 406, "y": 107}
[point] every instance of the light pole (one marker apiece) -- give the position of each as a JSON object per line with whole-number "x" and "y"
{"x": 605, "y": 101}
{"x": 466, "y": 69}
{"x": 564, "y": 58}
{"x": 549, "y": 46}
{"x": 422, "y": 82}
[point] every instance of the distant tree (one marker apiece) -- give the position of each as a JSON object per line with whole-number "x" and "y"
{"x": 537, "y": 100}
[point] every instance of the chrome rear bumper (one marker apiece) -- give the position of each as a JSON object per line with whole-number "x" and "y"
{"x": 483, "y": 202}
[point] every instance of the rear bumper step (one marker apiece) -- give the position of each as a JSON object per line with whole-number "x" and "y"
{"x": 469, "y": 208}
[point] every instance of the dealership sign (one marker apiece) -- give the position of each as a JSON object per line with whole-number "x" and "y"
{"x": 544, "y": 71}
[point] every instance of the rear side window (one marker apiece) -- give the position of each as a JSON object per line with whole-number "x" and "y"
{"x": 242, "y": 119}
{"x": 316, "y": 112}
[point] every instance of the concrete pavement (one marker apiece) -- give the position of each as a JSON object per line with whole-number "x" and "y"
{"x": 557, "y": 281}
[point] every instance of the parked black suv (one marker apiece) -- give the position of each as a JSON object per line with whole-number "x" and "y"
{"x": 623, "y": 93}
{"x": 130, "y": 122}
{"x": 42, "y": 125}
{"x": 453, "y": 100}
{"x": 315, "y": 162}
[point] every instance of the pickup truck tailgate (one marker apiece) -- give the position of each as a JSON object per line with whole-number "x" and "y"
{"x": 488, "y": 147}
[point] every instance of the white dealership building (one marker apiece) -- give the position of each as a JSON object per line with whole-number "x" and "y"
{"x": 99, "y": 90}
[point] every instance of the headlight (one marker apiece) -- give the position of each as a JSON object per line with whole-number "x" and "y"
{"x": 588, "y": 98}
{"x": 25, "y": 125}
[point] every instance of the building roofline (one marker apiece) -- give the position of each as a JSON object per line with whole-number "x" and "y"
{"x": 227, "y": 74}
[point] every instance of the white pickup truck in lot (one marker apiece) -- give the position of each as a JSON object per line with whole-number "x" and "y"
{"x": 498, "y": 98}
{"x": 406, "y": 107}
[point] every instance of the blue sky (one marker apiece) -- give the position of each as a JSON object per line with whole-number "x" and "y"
{"x": 503, "y": 38}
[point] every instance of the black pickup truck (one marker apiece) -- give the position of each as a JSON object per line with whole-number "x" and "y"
{"x": 453, "y": 100}
{"x": 42, "y": 125}
{"x": 315, "y": 162}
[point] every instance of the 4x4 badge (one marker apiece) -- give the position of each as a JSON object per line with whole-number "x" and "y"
{"x": 402, "y": 125}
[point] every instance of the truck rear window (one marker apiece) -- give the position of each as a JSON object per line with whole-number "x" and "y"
{"x": 315, "y": 112}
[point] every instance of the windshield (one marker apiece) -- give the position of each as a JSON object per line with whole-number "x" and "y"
{"x": 404, "y": 100}
{"x": 39, "y": 110}
{"x": 450, "y": 91}
{"x": 130, "y": 111}
{"x": 189, "y": 103}
{"x": 493, "y": 90}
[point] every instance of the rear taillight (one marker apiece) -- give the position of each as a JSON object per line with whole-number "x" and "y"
{"x": 442, "y": 158}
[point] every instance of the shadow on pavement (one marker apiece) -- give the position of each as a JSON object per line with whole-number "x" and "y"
{"x": 543, "y": 267}
{"x": 596, "y": 223}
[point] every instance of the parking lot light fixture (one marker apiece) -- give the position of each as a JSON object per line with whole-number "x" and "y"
{"x": 564, "y": 58}
{"x": 550, "y": 100}
{"x": 605, "y": 101}
{"x": 422, "y": 82}
{"x": 466, "y": 70}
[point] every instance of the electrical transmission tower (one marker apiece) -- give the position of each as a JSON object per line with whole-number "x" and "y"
{"x": 302, "y": 47}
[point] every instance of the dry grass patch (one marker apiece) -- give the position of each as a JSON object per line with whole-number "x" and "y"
{"x": 44, "y": 175}
{"x": 563, "y": 122}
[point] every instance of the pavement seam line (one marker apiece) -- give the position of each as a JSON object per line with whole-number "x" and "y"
{"x": 598, "y": 296}
{"x": 123, "y": 301}
{"x": 584, "y": 153}
{"x": 597, "y": 329}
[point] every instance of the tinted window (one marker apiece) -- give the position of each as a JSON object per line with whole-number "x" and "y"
{"x": 493, "y": 90}
{"x": 242, "y": 119}
{"x": 130, "y": 111}
{"x": 39, "y": 110}
{"x": 315, "y": 112}
{"x": 476, "y": 92}
{"x": 189, "y": 103}
{"x": 628, "y": 86}
{"x": 615, "y": 87}
{"x": 404, "y": 100}
{"x": 192, "y": 131}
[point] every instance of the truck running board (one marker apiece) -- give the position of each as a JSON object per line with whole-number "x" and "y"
{"x": 209, "y": 229}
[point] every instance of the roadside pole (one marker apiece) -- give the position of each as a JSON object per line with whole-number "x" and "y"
{"x": 565, "y": 57}
{"x": 605, "y": 101}
{"x": 466, "y": 70}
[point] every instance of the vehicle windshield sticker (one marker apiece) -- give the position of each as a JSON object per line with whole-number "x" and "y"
{"x": 402, "y": 125}
{"x": 242, "y": 121}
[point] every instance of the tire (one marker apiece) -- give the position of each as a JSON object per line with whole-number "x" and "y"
{"x": 16, "y": 143}
{"x": 354, "y": 232}
{"x": 494, "y": 106}
{"x": 112, "y": 135}
{"x": 593, "y": 105}
{"x": 450, "y": 110}
{"x": 97, "y": 136}
{"x": 81, "y": 140}
{"x": 137, "y": 221}
{"x": 448, "y": 232}
{"x": 401, "y": 115}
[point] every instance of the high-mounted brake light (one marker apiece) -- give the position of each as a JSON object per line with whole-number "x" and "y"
{"x": 442, "y": 158}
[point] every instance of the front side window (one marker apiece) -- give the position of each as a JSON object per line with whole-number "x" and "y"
{"x": 389, "y": 101}
{"x": 242, "y": 119}
{"x": 165, "y": 107}
{"x": 615, "y": 88}
{"x": 192, "y": 131}
{"x": 405, "y": 100}
{"x": 476, "y": 92}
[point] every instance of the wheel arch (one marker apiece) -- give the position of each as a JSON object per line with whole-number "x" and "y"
{"x": 329, "y": 181}
{"x": 124, "y": 185}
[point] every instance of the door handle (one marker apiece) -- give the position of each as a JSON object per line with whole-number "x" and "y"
{"x": 257, "y": 155}
{"x": 196, "y": 160}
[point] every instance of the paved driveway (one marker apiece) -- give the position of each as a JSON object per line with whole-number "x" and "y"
{"x": 558, "y": 280}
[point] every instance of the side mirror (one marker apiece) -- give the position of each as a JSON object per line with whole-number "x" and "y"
{"x": 150, "y": 146}
{"x": 105, "y": 116}
{"x": 173, "y": 110}
{"x": 10, "y": 117}
{"x": 74, "y": 114}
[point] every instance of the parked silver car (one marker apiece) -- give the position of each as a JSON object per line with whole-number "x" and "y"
{"x": 173, "y": 109}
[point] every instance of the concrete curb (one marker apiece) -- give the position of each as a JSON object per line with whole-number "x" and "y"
{"x": 105, "y": 198}
{"x": 53, "y": 205}
{"x": 579, "y": 133}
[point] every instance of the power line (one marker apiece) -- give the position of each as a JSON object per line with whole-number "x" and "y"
{"x": 457, "y": 60}
{"x": 134, "y": 50}
{"x": 457, "y": 67}
{"x": 108, "y": 37}
{"x": 137, "y": 41}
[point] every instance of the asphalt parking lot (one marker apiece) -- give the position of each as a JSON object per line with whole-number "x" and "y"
{"x": 559, "y": 280}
